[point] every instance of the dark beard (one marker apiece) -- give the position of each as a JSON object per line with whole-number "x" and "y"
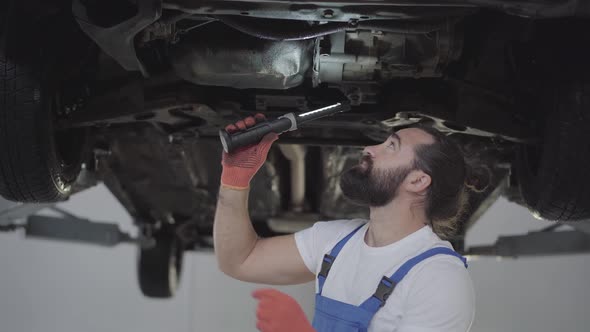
{"x": 367, "y": 187}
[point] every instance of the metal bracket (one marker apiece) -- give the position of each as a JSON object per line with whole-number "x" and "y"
{"x": 118, "y": 40}
{"x": 540, "y": 243}
{"x": 74, "y": 229}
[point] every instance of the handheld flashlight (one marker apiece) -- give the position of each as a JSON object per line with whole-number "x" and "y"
{"x": 284, "y": 123}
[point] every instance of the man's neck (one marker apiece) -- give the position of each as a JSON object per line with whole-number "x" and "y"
{"x": 393, "y": 222}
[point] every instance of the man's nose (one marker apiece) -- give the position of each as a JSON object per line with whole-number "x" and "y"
{"x": 369, "y": 150}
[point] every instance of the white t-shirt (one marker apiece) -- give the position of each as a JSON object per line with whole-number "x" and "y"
{"x": 436, "y": 295}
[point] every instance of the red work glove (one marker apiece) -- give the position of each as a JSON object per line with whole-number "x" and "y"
{"x": 240, "y": 166}
{"x": 278, "y": 312}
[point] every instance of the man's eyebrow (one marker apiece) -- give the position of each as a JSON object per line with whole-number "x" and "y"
{"x": 396, "y": 136}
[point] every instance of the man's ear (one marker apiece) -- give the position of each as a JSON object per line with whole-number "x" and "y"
{"x": 417, "y": 181}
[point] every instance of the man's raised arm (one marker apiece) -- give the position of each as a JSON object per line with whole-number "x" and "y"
{"x": 240, "y": 253}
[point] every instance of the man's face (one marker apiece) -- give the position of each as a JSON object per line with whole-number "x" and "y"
{"x": 377, "y": 179}
{"x": 366, "y": 186}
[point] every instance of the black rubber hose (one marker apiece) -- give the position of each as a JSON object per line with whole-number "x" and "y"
{"x": 264, "y": 29}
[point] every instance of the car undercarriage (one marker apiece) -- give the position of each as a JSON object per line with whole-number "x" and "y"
{"x": 145, "y": 86}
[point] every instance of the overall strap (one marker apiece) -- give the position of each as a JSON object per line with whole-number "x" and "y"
{"x": 386, "y": 285}
{"x": 328, "y": 259}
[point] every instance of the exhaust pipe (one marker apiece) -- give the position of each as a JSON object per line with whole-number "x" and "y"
{"x": 296, "y": 156}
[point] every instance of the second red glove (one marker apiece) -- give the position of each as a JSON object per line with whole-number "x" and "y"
{"x": 279, "y": 312}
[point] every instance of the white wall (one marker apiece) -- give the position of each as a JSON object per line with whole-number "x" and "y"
{"x": 57, "y": 287}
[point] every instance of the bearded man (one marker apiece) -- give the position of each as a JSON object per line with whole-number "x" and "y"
{"x": 393, "y": 272}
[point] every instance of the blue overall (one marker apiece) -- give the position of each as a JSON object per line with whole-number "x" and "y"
{"x": 332, "y": 315}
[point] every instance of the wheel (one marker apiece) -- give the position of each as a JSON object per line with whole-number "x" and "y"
{"x": 553, "y": 178}
{"x": 160, "y": 267}
{"x": 37, "y": 163}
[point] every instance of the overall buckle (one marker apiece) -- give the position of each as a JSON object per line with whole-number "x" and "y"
{"x": 326, "y": 265}
{"x": 384, "y": 289}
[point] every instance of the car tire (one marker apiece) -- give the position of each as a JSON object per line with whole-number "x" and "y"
{"x": 553, "y": 178}
{"x": 37, "y": 163}
{"x": 160, "y": 267}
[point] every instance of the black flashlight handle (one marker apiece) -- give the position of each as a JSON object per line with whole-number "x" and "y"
{"x": 253, "y": 134}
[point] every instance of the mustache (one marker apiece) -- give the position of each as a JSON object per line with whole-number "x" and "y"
{"x": 367, "y": 159}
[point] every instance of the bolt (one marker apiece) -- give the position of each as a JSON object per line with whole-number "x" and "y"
{"x": 328, "y": 13}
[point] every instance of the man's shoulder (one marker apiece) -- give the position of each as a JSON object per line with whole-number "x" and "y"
{"x": 440, "y": 270}
{"x": 328, "y": 233}
{"x": 317, "y": 240}
{"x": 438, "y": 295}
{"x": 340, "y": 225}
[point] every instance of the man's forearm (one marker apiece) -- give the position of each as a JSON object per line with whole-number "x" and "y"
{"x": 233, "y": 234}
